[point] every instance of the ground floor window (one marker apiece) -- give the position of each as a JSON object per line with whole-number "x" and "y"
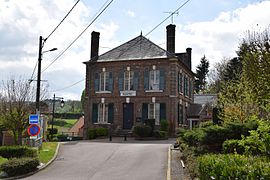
{"x": 155, "y": 111}
{"x": 180, "y": 114}
{"x": 102, "y": 113}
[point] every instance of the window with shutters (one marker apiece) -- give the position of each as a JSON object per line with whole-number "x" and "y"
{"x": 128, "y": 80}
{"x": 180, "y": 82}
{"x": 103, "y": 113}
{"x": 185, "y": 86}
{"x": 154, "y": 80}
{"x": 155, "y": 111}
{"x": 103, "y": 82}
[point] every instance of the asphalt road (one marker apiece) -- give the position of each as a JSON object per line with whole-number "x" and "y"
{"x": 103, "y": 160}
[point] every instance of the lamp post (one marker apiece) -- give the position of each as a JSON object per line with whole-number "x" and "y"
{"x": 41, "y": 44}
{"x": 62, "y": 103}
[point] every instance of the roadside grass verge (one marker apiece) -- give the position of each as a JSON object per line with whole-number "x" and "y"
{"x": 47, "y": 151}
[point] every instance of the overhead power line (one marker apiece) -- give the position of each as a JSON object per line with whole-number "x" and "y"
{"x": 61, "y": 53}
{"x": 62, "y": 20}
{"x": 172, "y": 13}
{"x": 69, "y": 85}
{"x": 31, "y": 79}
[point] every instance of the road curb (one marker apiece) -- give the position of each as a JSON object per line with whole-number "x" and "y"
{"x": 169, "y": 164}
{"x": 39, "y": 169}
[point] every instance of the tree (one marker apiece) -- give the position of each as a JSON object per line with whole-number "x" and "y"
{"x": 83, "y": 99}
{"x": 16, "y": 103}
{"x": 248, "y": 95}
{"x": 201, "y": 73}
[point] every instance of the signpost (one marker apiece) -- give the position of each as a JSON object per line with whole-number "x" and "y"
{"x": 33, "y": 119}
{"x": 33, "y": 130}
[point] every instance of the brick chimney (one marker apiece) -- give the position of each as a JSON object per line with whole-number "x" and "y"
{"x": 171, "y": 38}
{"x": 188, "y": 51}
{"x": 94, "y": 45}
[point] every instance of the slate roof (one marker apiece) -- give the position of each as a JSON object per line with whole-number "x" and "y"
{"x": 205, "y": 99}
{"x": 194, "y": 110}
{"x": 137, "y": 48}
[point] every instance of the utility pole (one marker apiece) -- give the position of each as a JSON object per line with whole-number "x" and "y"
{"x": 39, "y": 73}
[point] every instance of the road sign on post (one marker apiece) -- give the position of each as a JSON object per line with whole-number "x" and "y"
{"x": 33, "y": 130}
{"x": 33, "y": 119}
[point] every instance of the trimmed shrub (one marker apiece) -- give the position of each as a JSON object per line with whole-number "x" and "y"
{"x": 61, "y": 137}
{"x": 142, "y": 131}
{"x": 164, "y": 125}
{"x": 193, "y": 137}
{"x": 161, "y": 134}
{"x": 101, "y": 132}
{"x": 91, "y": 133}
{"x": 17, "y": 152}
{"x": 55, "y": 130}
{"x": 232, "y": 146}
{"x": 19, "y": 166}
{"x": 232, "y": 166}
{"x": 151, "y": 123}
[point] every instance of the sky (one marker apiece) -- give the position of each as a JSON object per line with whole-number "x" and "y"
{"x": 213, "y": 28}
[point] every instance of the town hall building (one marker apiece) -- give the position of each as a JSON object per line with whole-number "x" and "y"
{"x": 135, "y": 81}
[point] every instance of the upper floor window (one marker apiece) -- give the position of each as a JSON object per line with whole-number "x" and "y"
{"x": 154, "y": 80}
{"x": 128, "y": 80}
{"x": 186, "y": 86}
{"x": 103, "y": 81}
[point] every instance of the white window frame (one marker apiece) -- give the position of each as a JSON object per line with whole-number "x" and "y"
{"x": 103, "y": 81}
{"x": 103, "y": 112}
{"x": 154, "y": 112}
{"x": 154, "y": 80}
{"x": 128, "y": 80}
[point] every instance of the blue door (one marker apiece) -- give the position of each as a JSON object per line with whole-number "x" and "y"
{"x": 127, "y": 115}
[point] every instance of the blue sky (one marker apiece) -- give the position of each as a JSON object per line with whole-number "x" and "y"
{"x": 211, "y": 27}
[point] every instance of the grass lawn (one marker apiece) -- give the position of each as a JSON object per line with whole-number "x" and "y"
{"x": 70, "y": 122}
{"x": 47, "y": 151}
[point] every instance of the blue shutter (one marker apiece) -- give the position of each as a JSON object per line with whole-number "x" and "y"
{"x": 190, "y": 88}
{"x": 162, "y": 80}
{"x": 121, "y": 81}
{"x": 110, "y": 82}
{"x": 110, "y": 112}
{"x": 162, "y": 111}
{"x": 136, "y": 80}
{"x": 181, "y": 83}
{"x": 95, "y": 113}
{"x": 144, "y": 112}
{"x": 146, "y": 79}
{"x": 96, "y": 82}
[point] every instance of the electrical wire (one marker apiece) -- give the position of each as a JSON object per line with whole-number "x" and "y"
{"x": 62, "y": 20}
{"x": 61, "y": 53}
{"x": 31, "y": 79}
{"x": 69, "y": 86}
{"x": 167, "y": 17}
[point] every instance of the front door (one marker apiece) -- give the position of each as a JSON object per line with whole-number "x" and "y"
{"x": 127, "y": 115}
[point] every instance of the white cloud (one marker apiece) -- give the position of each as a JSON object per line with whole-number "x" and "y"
{"x": 21, "y": 24}
{"x": 131, "y": 13}
{"x": 220, "y": 37}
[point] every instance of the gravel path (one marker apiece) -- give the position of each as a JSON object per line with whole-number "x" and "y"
{"x": 177, "y": 171}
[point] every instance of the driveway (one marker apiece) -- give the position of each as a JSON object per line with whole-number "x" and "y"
{"x": 104, "y": 160}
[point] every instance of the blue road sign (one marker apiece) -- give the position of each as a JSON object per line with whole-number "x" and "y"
{"x": 33, "y": 119}
{"x": 33, "y": 130}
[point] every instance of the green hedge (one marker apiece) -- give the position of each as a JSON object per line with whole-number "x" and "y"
{"x": 164, "y": 125}
{"x": 142, "y": 131}
{"x": 19, "y": 166}
{"x": 17, "y": 152}
{"x": 233, "y": 146}
{"x": 97, "y": 132}
{"x": 161, "y": 134}
{"x": 232, "y": 166}
{"x": 101, "y": 132}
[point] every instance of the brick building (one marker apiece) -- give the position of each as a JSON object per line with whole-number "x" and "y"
{"x": 135, "y": 81}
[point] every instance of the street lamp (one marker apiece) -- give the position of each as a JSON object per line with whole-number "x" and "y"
{"x": 41, "y": 44}
{"x": 62, "y": 103}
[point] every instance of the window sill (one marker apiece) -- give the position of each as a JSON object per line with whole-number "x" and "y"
{"x": 103, "y": 92}
{"x": 153, "y": 90}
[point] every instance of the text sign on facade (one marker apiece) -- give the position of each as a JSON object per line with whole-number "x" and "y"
{"x": 33, "y": 119}
{"x": 127, "y": 93}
